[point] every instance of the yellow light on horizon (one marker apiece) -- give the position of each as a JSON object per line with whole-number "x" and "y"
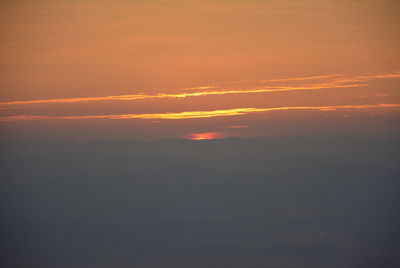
{"x": 205, "y": 136}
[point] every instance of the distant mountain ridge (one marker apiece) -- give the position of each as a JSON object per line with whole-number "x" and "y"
{"x": 290, "y": 202}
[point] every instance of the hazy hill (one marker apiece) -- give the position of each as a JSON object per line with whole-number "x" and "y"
{"x": 290, "y": 202}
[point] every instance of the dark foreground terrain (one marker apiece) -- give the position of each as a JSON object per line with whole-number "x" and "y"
{"x": 277, "y": 203}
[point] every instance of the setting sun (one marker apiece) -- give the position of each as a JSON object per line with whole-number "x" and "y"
{"x": 206, "y": 133}
{"x": 205, "y": 136}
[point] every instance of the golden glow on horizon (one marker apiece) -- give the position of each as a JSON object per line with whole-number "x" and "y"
{"x": 339, "y": 83}
{"x": 199, "y": 114}
{"x": 205, "y": 136}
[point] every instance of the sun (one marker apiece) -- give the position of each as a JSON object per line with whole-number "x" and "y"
{"x": 205, "y": 136}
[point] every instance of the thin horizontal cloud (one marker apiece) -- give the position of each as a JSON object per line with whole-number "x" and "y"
{"x": 284, "y": 79}
{"x": 198, "y": 114}
{"x": 340, "y": 78}
{"x": 363, "y": 78}
{"x": 343, "y": 82}
{"x": 238, "y": 126}
{"x": 264, "y": 89}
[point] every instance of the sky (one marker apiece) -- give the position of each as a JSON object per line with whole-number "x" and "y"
{"x": 98, "y": 97}
{"x": 86, "y": 70}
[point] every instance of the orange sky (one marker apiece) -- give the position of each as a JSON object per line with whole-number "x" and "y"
{"x": 282, "y": 64}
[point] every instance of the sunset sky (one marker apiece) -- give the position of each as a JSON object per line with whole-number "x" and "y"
{"x": 84, "y": 70}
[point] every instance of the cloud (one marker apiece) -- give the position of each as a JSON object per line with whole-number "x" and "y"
{"x": 183, "y": 95}
{"x": 199, "y": 114}
{"x": 286, "y": 79}
{"x": 238, "y": 126}
{"x": 344, "y": 82}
